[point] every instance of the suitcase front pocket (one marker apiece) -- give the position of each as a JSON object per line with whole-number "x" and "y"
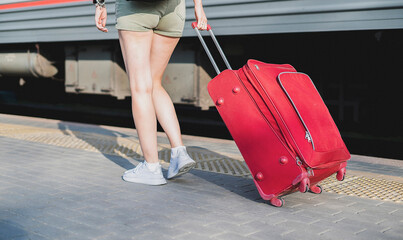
{"x": 320, "y": 130}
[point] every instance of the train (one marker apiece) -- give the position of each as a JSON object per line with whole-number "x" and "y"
{"x": 352, "y": 50}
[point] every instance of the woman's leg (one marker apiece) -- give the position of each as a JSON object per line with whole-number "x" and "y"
{"x": 136, "y": 48}
{"x": 161, "y": 51}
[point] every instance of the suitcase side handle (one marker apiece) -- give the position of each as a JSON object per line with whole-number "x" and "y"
{"x": 194, "y": 26}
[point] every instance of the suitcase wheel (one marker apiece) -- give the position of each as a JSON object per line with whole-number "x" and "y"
{"x": 304, "y": 185}
{"x": 315, "y": 189}
{"x": 341, "y": 174}
{"x": 277, "y": 202}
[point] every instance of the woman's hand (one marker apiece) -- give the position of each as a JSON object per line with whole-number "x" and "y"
{"x": 100, "y": 18}
{"x": 200, "y": 15}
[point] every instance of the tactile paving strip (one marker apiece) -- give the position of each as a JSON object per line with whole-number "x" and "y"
{"x": 360, "y": 186}
{"x": 116, "y": 145}
{"x": 205, "y": 160}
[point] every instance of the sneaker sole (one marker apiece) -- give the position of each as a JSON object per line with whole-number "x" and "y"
{"x": 153, "y": 182}
{"x": 184, "y": 169}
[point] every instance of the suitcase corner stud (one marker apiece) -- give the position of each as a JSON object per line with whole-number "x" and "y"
{"x": 259, "y": 176}
{"x": 283, "y": 160}
{"x": 220, "y": 101}
{"x": 236, "y": 89}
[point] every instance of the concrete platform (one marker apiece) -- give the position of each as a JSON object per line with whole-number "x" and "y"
{"x": 61, "y": 180}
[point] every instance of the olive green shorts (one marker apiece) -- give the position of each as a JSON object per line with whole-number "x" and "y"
{"x": 165, "y": 17}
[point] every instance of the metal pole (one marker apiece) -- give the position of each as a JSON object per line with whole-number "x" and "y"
{"x": 207, "y": 51}
{"x": 219, "y": 49}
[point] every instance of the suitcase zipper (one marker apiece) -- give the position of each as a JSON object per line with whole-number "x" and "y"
{"x": 308, "y": 135}
{"x": 309, "y": 170}
{"x": 257, "y": 67}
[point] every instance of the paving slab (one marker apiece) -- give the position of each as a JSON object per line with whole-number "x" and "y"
{"x": 56, "y": 192}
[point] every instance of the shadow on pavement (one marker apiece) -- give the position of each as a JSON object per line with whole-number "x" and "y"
{"x": 11, "y": 230}
{"x": 71, "y": 129}
{"x": 242, "y": 186}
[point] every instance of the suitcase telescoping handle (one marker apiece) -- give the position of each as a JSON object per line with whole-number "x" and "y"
{"x": 194, "y": 26}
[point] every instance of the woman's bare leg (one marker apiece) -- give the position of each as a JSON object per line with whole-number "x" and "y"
{"x": 161, "y": 51}
{"x": 136, "y": 48}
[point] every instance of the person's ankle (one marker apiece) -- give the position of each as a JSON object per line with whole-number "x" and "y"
{"x": 175, "y": 150}
{"x": 152, "y": 166}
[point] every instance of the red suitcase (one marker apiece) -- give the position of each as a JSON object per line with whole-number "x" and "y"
{"x": 280, "y": 124}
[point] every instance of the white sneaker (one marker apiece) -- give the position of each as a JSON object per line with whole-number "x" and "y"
{"x": 141, "y": 174}
{"x": 180, "y": 163}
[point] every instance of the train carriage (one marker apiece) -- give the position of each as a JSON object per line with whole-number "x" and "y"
{"x": 92, "y": 63}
